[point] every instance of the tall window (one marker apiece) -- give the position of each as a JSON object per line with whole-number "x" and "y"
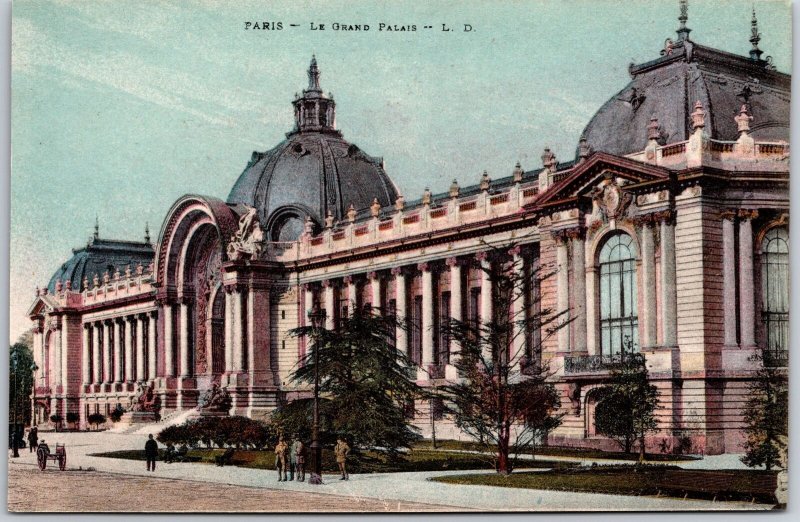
{"x": 619, "y": 325}
{"x": 775, "y": 288}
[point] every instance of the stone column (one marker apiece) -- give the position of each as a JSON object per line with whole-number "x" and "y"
{"x": 401, "y": 303}
{"x": 649, "y": 319}
{"x": 579, "y": 290}
{"x": 185, "y": 371}
{"x": 330, "y": 305}
{"x": 729, "y": 278}
{"x": 108, "y": 378}
{"x": 238, "y": 330}
{"x": 228, "y": 329}
{"x": 669, "y": 296}
{"x": 377, "y": 295}
{"x": 427, "y": 317}
{"x": 308, "y": 303}
{"x": 118, "y": 342}
{"x": 85, "y": 377}
{"x": 152, "y": 320}
{"x": 169, "y": 342}
{"x": 562, "y": 290}
{"x": 140, "y": 369}
{"x": 64, "y": 340}
{"x": 746, "y": 284}
{"x": 128, "y": 350}
{"x": 96, "y": 360}
{"x": 518, "y": 314}
{"x": 487, "y": 303}
{"x": 352, "y": 294}
{"x": 456, "y": 300}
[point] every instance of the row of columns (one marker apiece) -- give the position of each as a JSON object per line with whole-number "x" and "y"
{"x": 111, "y": 346}
{"x": 584, "y": 275}
{"x": 746, "y": 306}
{"x": 427, "y": 318}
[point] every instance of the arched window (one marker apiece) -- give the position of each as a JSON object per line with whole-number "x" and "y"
{"x": 775, "y": 288}
{"x": 619, "y": 324}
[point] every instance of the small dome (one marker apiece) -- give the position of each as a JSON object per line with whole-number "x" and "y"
{"x": 310, "y": 173}
{"x": 100, "y": 256}
{"x": 667, "y": 88}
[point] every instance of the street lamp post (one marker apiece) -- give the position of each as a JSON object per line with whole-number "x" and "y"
{"x": 317, "y": 318}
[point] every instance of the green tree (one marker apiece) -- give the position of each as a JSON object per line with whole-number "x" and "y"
{"x": 73, "y": 418}
{"x": 97, "y": 419}
{"x": 626, "y": 406}
{"x": 766, "y": 415}
{"x": 20, "y": 384}
{"x": 363, "y": 380}
{"x": 503, "y": 398}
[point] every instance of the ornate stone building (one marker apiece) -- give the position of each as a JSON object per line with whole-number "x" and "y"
{"x": 667, "y": 231}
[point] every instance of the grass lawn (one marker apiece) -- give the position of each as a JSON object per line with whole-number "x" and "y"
{"x": 743, "y": 485}
{"x": 367, "y": 462}
{"x": 557, "y": 451}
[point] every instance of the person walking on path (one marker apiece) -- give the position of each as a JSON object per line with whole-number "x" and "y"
{"x": 298, "y": 459}
{"x": 151, "y": 452}
{"x": 341, "y": 450}
{"x": 281, "y": 454}
{"x": 33, "y": 439}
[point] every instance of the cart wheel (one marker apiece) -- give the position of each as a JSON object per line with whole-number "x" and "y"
{"x": 62, "y": 462}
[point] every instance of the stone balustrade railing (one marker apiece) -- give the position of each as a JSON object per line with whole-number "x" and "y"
{"x": 743, "y": 154}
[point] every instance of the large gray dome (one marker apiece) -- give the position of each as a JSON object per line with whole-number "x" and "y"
{"x": 668, "y": 87}
{"x": 312, "y": 172}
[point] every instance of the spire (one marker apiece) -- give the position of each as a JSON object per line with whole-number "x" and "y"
{"x": 683, "y": 31}
{"x": 96, "y": 227}
{"x": 147, "y": 232}
{"x": 755, "y": 37}
{"x": 313, "y": 75}
{"x": 313, "y": 111}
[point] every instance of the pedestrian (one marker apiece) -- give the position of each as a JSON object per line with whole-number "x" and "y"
{"x": 341, "y": 450}
{"x": 33, "y": 439}
{"x": 292, "y": 458}
{"x": 151, "y": 452}
{"x": 298, "y": 450}
{"x": 281, "y": 454}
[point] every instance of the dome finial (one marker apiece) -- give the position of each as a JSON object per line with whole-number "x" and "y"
{"x": 755, "y": 37}
{"x": 147, "y": 232}
{"x": 96, "y": 226}
{"x": 313, "y": 75}
{"x": 683, "y": 31}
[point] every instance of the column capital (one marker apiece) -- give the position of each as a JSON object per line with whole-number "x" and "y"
{"x": 348, "y": 279}
{"x": 517, "y": 250}
{"x": 559, "y": 236}
{"x": 644, "y": 220}
{"x": 398, "y": 271}
{"x": 575, "y": 233}
{"x": 424, "y": 267}
{"x": 452, "y": 261}
{"x": 747, "y": 214}
{"x": 327, "y": 283}
{"x": 728, "y": 214}
{"x": 482, "y": 256}
{"x": 665, "y": 216}
{"x": 373, "y": 275}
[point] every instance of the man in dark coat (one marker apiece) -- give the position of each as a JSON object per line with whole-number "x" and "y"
{"x": 33, "y": 439}
{"x": 151, "y": 452}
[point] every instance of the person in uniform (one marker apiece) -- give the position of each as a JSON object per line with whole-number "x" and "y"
{"x": 298, "y": 458}
{"x": 341, "y": 450}
{"x": 151, "y": 452}
{"x": 281, "y": 454}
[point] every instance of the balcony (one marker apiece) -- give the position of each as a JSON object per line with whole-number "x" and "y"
{"x": 595, "y": 363}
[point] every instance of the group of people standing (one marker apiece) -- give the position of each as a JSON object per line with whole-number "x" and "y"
{"x": 291, "y": 460}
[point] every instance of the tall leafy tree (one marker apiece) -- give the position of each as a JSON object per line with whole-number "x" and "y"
{"x": 766, "y": 415}
{"x": 20, "y": 383}
{"x": 502, "y": 398}
{"x": 626, "y": 406}
{"x": 364, "y": 382}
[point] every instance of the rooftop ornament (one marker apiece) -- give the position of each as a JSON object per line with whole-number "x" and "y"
{"x": 743, "y": 120}
{"x": 518, "y": 173}
{"x": 755, "y": 37}
{"x": 653, "y": 129}
{"x": 584, "y": 149}
{"x": 549, "y": 159}
{"x": 399, "y": 203}
{"x": 683, "y": 31}
{"x": 698, "y": 116}
{"x": 485, "y": 181}
{"x": 351, "y": 213}
{"x": 375, "y": 209}
{"x": 329, "y": 219}
{"x": 426, "y": 197}
{"x": 454, "y": 189}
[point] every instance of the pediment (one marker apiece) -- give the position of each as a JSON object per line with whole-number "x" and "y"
{"x": 41, "y": 305}
{"x": 587, "y": 177}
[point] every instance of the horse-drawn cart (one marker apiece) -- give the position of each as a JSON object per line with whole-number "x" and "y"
{"x": 43, "y": 455}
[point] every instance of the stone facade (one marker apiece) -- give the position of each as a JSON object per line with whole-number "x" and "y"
{"x": 674, "y": 248}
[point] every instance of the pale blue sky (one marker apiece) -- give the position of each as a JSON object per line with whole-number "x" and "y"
{"x": 119, "y": 108}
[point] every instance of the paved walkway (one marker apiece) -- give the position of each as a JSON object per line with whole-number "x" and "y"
{"x": 391, "y": 487}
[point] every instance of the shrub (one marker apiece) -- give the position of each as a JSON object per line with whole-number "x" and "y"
{"x": 240, "y": 432}
{"x": 56, "y": 419}
{"x": 73, "y": 417}
{"x": 116, "y": 413}
{"x": 97, "y": 419}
